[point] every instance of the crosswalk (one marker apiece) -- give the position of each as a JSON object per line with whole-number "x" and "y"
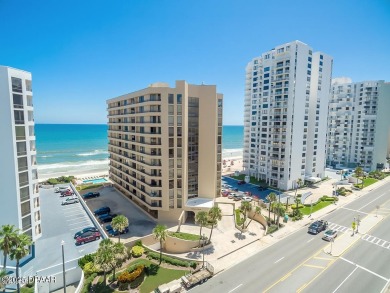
{"x": 339, "y": 228}
{"x": 366, "y": 237}
{"x": 377, "y": 241}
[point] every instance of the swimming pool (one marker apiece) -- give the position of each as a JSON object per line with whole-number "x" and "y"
{"x": 97, "y": 180}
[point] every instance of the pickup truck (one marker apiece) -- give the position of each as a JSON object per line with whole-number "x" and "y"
{"x": 198, "y": 277}
{"x": 318, "y": 226}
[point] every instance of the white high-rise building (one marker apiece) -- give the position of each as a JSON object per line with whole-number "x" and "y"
{"x": 18, "y": 172}
{"x": 286, "y": 107}
{"x": 359, "y": 124}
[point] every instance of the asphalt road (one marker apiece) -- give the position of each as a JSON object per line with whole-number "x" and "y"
{"x": 293, "y": 262}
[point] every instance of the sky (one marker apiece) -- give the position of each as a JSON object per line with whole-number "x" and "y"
{"x": 82, "y": 53}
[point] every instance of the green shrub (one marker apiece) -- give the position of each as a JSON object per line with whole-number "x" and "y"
{"x": 299, "y": 195}
{"x": 128, "y": 251}
{"x": 167, "y": 259}
{"x": 86, "y": 259}
{"x": 52, "y": 181}
{"x": 88, "y": 283}
{"x": 193, "y": 264}
{"x": 294, "y": 206}
{"x": 89, "y": 268}
{"x": 137, "y": 251}
{"x": 272, "y": 229}
{"x": 138, "y": 243}
{"x": 184, "y": 236}
{"x": 237, "y": 214}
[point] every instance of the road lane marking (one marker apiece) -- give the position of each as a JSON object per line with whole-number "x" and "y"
{"x": 285, "y": 277}
{"x": 360, "y": 212}
{"x": 314, "y": 266}
{"x": 365, "y": 269}
{"x": 279, "y": 260}
{"x": 310, "y": 240}
{"x": 235, "y": 288}
{"x": 371, "y": 202}
{"x": 384, "y": 243}
{"x": 338, "y": 287}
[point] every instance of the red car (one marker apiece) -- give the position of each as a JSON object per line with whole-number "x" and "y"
{"x": 225, "y": 193}
{"x": 87, "y": 237}
{"x": 241, "y": 182}
{"x": 66, "y": 193}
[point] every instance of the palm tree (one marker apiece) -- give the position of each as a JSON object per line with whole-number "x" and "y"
{"x": 119, "y": 251}
{"x": 245, "y": 208}
{"x": 120, "y": 223}
{"x": 160, "y": 232}
{"x": 215, "y": 215}
{"x": 271, "y": 198}
{"x": 280, "y": 211}
{"x": 18, "y": 251}
{"x": 3, "y": 273}
{"x": 202, "y": 220}
{"x": 359, "y": 174}
{"x": 297, "y": 203}
{"x": 299, "y": 183}
{"x": 104, "y": 257}
{"x": 257, "y": 212}
{"x": 8, "y": 235}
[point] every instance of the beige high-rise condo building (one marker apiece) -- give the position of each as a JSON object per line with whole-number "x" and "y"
{"x": 20, "y": 204}
{"x": 165, "y": 148}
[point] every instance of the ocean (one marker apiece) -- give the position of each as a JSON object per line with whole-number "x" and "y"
{"x": 64, "y": 149}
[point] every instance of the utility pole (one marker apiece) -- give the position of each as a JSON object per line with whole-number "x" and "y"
{"x": 311, "y": 208}
{"x": 358, "y": 223}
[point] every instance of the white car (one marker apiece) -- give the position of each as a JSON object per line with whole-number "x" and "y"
{"x": 247, "y": 198}
{"x": 330, "y": 235}
{"x": 231, "y": 195}
{"x": 70, "y": 200}
{"x": 61, "y": 188}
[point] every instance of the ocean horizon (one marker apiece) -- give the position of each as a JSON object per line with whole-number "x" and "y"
{"x": 73, "y": 149}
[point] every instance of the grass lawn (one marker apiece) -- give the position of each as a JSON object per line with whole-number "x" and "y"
{"x": 253, "y": 180}
{"x": 91, "y": 186}
{"x": 158, "y": 277}
{"x": 185, "y": 236}
{"x": 369, "y": 181}
{"x": 161, "y": 277}
{"x": 318, "y": 206}
{"x": 27, "y": 290}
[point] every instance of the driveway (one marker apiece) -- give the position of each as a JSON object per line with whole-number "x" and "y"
{"x": 140, "y": 224}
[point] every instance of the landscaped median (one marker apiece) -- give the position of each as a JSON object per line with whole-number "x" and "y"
{"x": 308, "y": 209}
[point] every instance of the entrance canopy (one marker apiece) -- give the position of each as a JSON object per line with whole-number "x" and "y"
{"x": 199, "y": 203}
{"x": 312, "y": 179}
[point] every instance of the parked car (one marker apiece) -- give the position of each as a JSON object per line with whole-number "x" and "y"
{"x": 225, "y": 193}
{"x": 88, "y": 229}
{"x": 235, "y": 189}
{"x": 87, "y": 237}
{"x": 66, "y": 193}
{"x": 231, "y": 195}
{"x": 241, "y": 182}
{"x": 261, "y": 188}
{"x": 61, "y": 188}
{"x": 108, "y": 228}
{"x": 91, "y": 195}
{"x": 102, "y": 211}
{"x": 70, "y": 200}
{"x": 330, "y": 235}
{"x": 247, "y": 198}
{"x": 237, "y": 197}
{"x": 107, "y": 218}
{"x": 114, "y": 232}
{"x": 318, "y": 226}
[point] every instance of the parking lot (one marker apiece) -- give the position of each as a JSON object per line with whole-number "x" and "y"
{"x": 59, "y": 223}
{"x": 248, "y": 187}
{"x": 139, "y": 223}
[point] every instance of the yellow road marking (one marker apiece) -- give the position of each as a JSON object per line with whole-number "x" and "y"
{"x": 313, "y": 266}
{"x": 323, "y": 258}
{"x": 285, "y": 277}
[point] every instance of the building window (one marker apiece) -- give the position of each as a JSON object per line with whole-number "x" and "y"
{"x": 170, "y": 98}
{"x": 179, "y": 98}
{"x": 16, "y": 85}
{"x": 18, "y": 101}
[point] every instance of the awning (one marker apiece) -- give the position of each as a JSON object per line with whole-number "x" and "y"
{"x": 200, "y": 203}
{"x": 312, "y": 179}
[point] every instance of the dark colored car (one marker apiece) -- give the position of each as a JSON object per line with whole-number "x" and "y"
{"x": 87, "y": 237}
{"x": 102, "y": 211}
{"x": 114, "y": 232}
{"x": 261, "y": 188}
{"x": 235, "y": 189}
{"x": 241, "y": 182}
{"x": 88, "y": 229}
{"x": 91, "y": 195}
{"x": 318, "y": 226}
{"x": 107, "y": 218}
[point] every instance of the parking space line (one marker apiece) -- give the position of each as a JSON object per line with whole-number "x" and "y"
{"x": 75, "y": 213}
{"x": 79, "y": 228}
{"x": 78, "y": 219}
{"x": 78, "y": 223}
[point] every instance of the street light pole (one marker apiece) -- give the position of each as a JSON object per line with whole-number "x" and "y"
{"x": 204, "y": 237}
{"x": 63, "y": 264}
{"x": 311, "y": 208}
